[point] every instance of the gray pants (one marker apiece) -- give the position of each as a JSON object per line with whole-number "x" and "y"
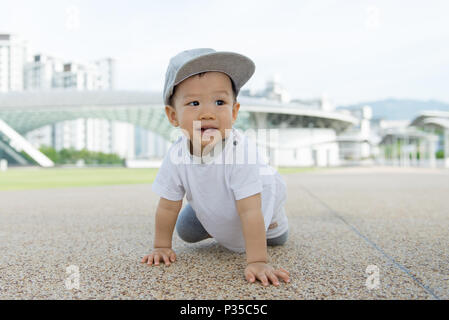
{"x": 191, "y": 230}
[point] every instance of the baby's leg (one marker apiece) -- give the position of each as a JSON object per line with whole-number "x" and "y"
{"x": 278, "y": 241}
{"x": 188, "y": 226}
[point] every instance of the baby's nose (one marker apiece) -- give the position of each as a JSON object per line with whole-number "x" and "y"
{"x": 208, "y": 109}
{"x": 207, "y": 115}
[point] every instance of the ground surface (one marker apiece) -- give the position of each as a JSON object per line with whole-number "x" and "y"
{"x": 341, "y": 221}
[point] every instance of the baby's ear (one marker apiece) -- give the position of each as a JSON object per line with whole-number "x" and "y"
{"x": 171, "y": 115}
{"x": 235, "y": 111}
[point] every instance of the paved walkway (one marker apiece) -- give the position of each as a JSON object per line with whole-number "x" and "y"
{"x": 342, "y": 220}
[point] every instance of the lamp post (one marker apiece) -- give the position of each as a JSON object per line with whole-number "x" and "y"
{"x": 3, "y": 164}
{"x": 446, "y": 147}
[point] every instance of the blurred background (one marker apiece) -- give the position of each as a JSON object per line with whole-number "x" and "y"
{"x": 341, "y": 83}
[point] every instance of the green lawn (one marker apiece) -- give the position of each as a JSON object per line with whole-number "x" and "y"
{"x": 42, "y": 178}
{"x": 287, "y": 170}
{"x": 19, "y": 179}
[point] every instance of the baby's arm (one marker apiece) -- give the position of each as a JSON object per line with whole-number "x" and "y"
{"x": 166, "y": 215}
{"x": 253, "y": 227}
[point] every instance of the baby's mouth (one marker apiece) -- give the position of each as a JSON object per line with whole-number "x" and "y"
{"x": 208, "y": 131}
{"x": 206, "y": 127}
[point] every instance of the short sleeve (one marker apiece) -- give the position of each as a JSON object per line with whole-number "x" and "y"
{"x": 168, "y": 183}
{"x": 245, "y": 180}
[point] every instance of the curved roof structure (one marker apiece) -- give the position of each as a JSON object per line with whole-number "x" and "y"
{"x": 26, "y": 111}
{"x": 432, "y": 118}
{"x": 410, "y": 133}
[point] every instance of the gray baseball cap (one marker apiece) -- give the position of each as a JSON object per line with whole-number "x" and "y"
{"x": 190, "y": 62}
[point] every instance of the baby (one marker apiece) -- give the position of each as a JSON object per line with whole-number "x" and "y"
{"x": 233, "y": 195}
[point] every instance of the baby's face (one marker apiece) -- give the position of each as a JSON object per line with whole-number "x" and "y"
{"x": 204, "y": 101}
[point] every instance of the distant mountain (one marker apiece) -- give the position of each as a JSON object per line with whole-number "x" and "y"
{"x": 395, "y": 109}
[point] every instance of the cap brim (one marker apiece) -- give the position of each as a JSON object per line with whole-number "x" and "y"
{"x": 238, "y": 67}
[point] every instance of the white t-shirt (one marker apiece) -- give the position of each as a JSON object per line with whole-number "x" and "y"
{"x": 235, "y": 170}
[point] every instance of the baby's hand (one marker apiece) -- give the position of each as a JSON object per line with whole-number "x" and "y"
{"x": 167, "y": 255}
{"x": 265, "y": 272}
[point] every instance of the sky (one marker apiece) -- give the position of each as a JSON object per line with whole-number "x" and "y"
{"x": 353, "y": 51}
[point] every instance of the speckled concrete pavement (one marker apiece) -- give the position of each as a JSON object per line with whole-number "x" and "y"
{"x": 341, "y": 221}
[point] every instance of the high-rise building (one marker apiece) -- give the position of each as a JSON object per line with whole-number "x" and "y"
{"x": 273, "y": 91}
{"x": 105, "y": 73}
{"x": 123, "y": 139}
{"x": 48, "y": 73}
{"x": 97, "y": 75}
{"x": 39, "y": 73}
{"x": 45, "y": 72}
{"x": 150, "y": 145}
{"x": 69, "y": 134}
{"x": 13, "y": 55}
{"x": 98, "y": 135}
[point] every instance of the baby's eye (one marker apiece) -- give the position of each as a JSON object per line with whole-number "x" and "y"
{"x": 220, "y": 102}
{"x": 196, "y": 103}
